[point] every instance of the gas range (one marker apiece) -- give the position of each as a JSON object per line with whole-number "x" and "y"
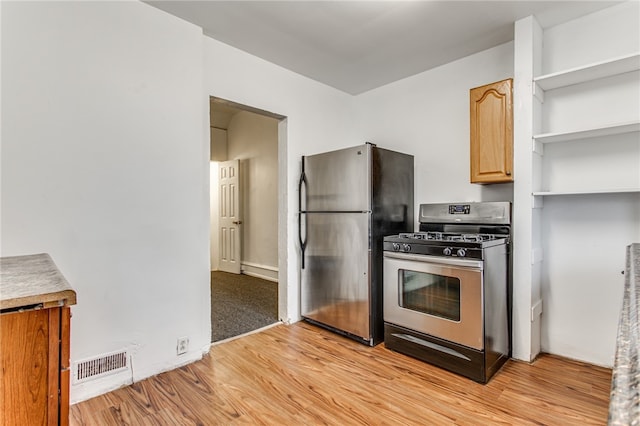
{"x": 446, "y": 288}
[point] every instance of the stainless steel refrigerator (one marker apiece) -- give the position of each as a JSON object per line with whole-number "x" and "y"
{"x": 349, "y": 199}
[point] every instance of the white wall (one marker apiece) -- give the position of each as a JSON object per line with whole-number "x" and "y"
{"x": 214, "y": 206}
{"x": 584, "y": 237}
{"x": 582, "y": 284}
{"x": 599, "y": 36}
{"x": 105, "y": 167}
{"x": 253, "y": 139}
{"x": 319, "y": 118}
{"x": 427, "y": 115}
{"x": 218, "y": 153}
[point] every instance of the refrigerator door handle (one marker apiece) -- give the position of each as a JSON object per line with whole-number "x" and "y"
{"x": 302, "y": 182}
{"x": 303, "y": 241}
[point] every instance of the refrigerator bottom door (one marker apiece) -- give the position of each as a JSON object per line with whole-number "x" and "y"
{"x": 336, "y": 277}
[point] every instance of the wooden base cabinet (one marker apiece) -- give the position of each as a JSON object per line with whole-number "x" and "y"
{"x": 34, "y": 356}
{"x": 491, "y": 111}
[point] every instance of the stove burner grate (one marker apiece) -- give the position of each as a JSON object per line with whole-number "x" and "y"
{"x": 445, "y": 236}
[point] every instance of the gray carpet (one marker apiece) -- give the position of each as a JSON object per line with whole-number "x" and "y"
{"x": 240, "y": 303}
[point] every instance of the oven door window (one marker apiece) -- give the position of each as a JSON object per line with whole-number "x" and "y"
{"x": 430, "y": 294}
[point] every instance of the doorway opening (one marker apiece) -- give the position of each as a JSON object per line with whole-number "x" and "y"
{"x": 245, "y": 243}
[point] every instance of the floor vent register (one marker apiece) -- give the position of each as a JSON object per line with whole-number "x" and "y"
{"x": 104, "y": 365}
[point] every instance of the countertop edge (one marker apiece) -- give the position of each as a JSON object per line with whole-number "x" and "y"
{"x": 33, "y": 279}
{"x": 63, "y": 298}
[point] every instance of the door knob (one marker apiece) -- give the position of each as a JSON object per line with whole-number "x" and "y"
{"x": 237, "y": 222}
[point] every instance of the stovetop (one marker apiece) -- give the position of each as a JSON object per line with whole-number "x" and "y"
{"x": 448, "y": 236}
{"x": 455, "y": 230}
{"x": 443, "y": 243}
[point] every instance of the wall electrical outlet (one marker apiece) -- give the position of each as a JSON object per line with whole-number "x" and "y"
{"x": 183, "y": 345}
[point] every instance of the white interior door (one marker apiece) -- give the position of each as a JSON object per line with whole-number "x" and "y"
{"x": 230, "y": 217}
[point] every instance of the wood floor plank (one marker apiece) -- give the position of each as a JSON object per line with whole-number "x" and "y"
{"x": 304, "y": 375}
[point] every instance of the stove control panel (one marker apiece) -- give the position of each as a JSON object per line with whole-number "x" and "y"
{"x": 459, "y": 208}
{"x": 401, "y": 247}
{"x": 452, "y": 251}
{"x": 434, "y": 249}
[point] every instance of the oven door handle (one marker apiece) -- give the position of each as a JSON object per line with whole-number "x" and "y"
{"x": 457, "y": 262}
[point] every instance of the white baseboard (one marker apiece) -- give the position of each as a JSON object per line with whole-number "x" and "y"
{"x": 265, "y": 272}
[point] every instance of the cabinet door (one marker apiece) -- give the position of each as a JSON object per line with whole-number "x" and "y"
{"x": 491, "y": 111}
{"x": 30, "y": 366}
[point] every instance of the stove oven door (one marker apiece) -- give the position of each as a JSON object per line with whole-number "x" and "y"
{"x": 437, "y": 296}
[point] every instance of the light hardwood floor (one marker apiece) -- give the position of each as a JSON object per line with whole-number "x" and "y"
{"x": 303, "y": 375}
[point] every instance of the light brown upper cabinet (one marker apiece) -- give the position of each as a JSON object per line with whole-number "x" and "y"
{"x": 491, "y": 108}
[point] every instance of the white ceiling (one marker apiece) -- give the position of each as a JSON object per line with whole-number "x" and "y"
{"x": 359, "y": 45}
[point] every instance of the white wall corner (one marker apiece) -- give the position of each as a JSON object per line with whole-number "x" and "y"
{"x": 527, "y": 46}
{"x": 286, "y": 303}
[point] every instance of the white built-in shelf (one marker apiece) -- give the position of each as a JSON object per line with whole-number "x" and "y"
{"x": 613, "y": 129}
{"x": 594, "y": 71}
{"x": 587, "y": 192}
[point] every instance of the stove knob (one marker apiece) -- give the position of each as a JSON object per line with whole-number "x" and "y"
{"x": 447, "y": 251}
{"x": 462, "y": 252}
{"x": 406, "y": 247}
{"x": 396, "y": 247}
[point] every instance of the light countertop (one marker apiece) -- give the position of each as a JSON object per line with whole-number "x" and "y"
{"x": 624, "y": 406}
{"x": 32, "y": 280}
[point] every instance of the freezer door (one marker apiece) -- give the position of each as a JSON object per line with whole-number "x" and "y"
{"x": 336, "y": 278}
{"x": 338, "y": 180}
